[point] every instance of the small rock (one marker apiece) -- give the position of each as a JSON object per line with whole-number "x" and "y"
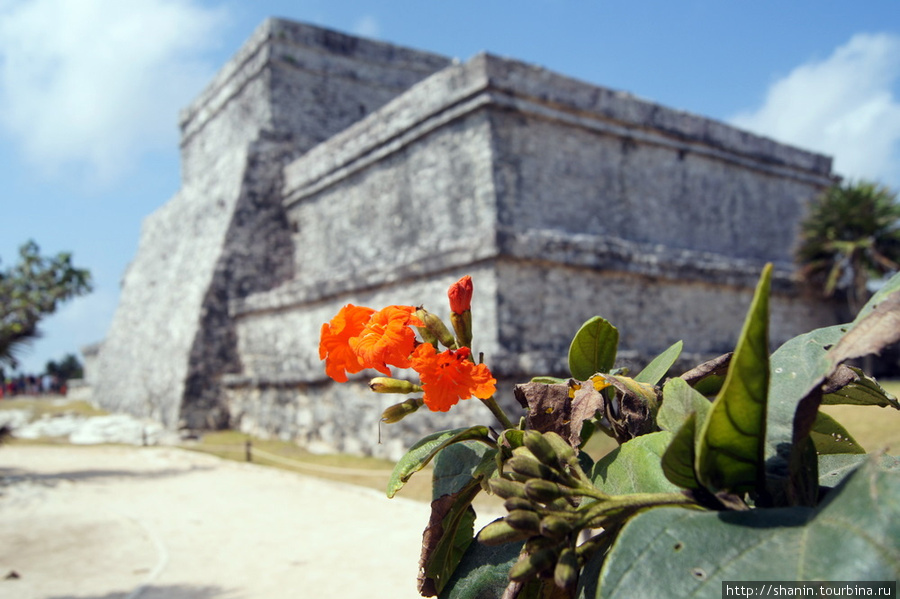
{"x": 14, "y": 419}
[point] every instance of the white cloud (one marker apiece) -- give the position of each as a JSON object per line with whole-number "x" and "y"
{"x": 843, "y": 106}
{"x": 367, "y": 26}
{"x": 96, "y": 83}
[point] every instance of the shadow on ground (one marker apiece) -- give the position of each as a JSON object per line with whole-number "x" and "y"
{"x": 12, "y": 476}
{"x": 162, "y": 592}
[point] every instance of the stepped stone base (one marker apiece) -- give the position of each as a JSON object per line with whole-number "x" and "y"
{"x": 322, "y": 169}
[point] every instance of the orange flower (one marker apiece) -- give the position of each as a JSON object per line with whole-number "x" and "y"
{"x": 460, "y": 294}
{"x": 450, "y": 376}
{"x": 387, "y": 339}
{"x": 334, "y": 341}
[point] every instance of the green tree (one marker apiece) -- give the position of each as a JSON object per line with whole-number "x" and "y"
{"x": 67, "y": 368}
{"x": 31, "y": 290}
{"x": 850, "y": 236}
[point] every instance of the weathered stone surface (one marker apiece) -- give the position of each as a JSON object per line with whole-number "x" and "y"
{"x": 14, "y": 419}
{"x": 562, "y": 200}
{"x": 225, "y": 234}
{"x": 94, "y": 430}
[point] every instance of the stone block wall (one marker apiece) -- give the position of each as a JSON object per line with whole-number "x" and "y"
{"x": 561, "y": 199}
{"x": 225, "y": 234}
{"x": 283, "y": 390}
{"x": 321, "y": 169}
{"x": 143, "y": 364}
{"x": 296, "y": 81}
{"x": 578, "y": 160}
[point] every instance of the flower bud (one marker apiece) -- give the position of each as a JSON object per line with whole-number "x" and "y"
{"x": 524, "y": 520}
{"x": 521, "y": 450}
{"x": 541, "y": 448}
{"x": 532, "y": 564}
{"x": 500, "y": 531}
{"x": 555, "y": 527}
{"x": 507, "y": 488}
{"x": 383, "y": 384}
{"x": 565, "y": 452}
{"x": 535, "y": 544}
{"x": 564, "y": 503}
{"x": 511, "y": 438}
{"x": 565, "y": 575}
{"x": 398, "y": 412}
{"x": 518, "y": 503}
{"x": 460, "y": 295}
{"x": 427, "y": 336}
{"x": 545, "y": 491}
{"x": 436, "y": 327}
{"x": 531, "y": 468}
{"x": 462, "y": 326}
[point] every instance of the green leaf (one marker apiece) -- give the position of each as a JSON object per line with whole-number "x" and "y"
{"x": 865, "y": 391}
{"x": 834, "y": 468}
{"x": 680, "y": 400}
{"x": 457, "y": 465}
{"x": 585, "y": 461}
{"x": 593, "y": 349}
{"x": 830, "y": 437}
{"x": 880, "y": 328}
{"x": 803, "y": 475}
{"x": 458, "y": 473}
{"x": 635, "y": 467}
{"x": 680, "y": 457}
{"x": 420, "y": 454}
{"x": 483, "y": 572}
{"x": 660, "y": 365}
{"x": 447, "y": 537}
{"x": 672, "y": 552}
{"x": 511, "y": 437}
{"x": 708, "y": 377}
{"x": 797, "y": 367}
{"x": 731, "y": 439}
{"x": 890, "y": 287}
{"x": 710, "y": 385}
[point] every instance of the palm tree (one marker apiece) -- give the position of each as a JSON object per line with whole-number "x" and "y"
{"x": 850, "y": 235}
{"x": 31, "y": 290}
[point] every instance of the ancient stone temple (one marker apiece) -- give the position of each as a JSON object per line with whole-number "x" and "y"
{"x": 321, "y": 169}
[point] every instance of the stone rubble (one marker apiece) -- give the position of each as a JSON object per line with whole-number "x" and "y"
{"x": 87, "y": 430}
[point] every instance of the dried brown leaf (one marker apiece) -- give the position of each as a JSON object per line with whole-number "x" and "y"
{"x": 878, "y": 330}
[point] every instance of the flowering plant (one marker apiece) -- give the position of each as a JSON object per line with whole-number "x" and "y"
{"x": 756, "y": 481}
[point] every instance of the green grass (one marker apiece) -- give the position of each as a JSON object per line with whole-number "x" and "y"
{"x": 41, "y": 406}
{"x": 356, "y": 470}
{"x": 231, "y": 445}
{"x": 873, "y": 427}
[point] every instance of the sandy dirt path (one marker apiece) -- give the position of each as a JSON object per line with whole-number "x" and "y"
{"x": 163, "y": 523}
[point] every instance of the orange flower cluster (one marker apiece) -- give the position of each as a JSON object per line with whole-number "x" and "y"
{"x": 450, "y": 376}
{"x": 334, "y": 341}
{"x": 359, "y": 337}
{"x": 387, "y": 339}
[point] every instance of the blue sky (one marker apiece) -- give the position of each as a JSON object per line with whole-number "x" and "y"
{"x": 90, "y": 92}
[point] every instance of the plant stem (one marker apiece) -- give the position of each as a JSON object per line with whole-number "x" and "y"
{"x": 498, "y": 412}
{"x": 630, "y": 504}
{"x": 588, "y": 490}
